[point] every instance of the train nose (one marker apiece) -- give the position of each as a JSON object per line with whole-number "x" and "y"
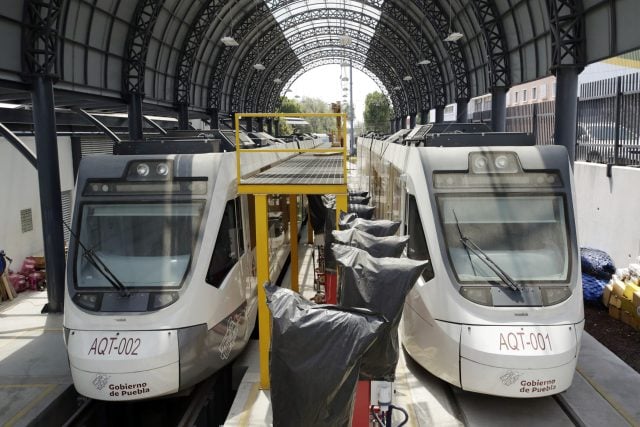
{"x": 518, "y": 361}
{"x": 132, "y": 364}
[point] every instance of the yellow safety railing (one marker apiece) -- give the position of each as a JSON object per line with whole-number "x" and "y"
{"x": 341, "y": 136}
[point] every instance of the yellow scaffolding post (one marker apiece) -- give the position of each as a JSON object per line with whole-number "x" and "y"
{"x": 262, "y": 261}
{"x": 293, "y": 228}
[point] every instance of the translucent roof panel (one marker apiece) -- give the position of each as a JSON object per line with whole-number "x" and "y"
{"x": 322, "y": 14}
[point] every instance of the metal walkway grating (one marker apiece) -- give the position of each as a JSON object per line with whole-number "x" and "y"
{"x": 305, "y": 169}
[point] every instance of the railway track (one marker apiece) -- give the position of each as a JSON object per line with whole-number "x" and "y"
{"x": 433, "y": 402}
{"x": 207, "y": 404}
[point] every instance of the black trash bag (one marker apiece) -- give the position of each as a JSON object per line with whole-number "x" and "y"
{"x": 359, "y": 200}
{"x": 377, "y": 247}
{"x": 316, "y": 352}
{"x": 358, "y": 193}
{"x": 379, "y": 227}
{"x": 329, "y": 226}
{"x": 363, "y": 211}
{"x": 318, "y": 213}
{"x": 597, "y": 263}
{"x": 381, "y": 285}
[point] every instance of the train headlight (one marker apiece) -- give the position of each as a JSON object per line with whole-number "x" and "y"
{"x": 554, "y": 295}
{"x": 162, "y": 169}
{"x": 494, "y": 162}
{"x": 89, "y": 301}
{"x": 142, "y": 169}
{"x": 160, "y": 300}
{"x": 478, "y": 294}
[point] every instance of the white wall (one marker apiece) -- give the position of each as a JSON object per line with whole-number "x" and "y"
{"x": 609, "y": 210}
{"x": 19, "y": 190}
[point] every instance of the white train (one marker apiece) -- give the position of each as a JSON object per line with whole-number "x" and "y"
{"x": 500, "y": 310}
{"x": 161, "y": 283}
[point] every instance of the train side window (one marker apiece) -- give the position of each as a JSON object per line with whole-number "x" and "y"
{"x": 417, "y": 246}
{"x": 225, "y": 252}
{"x": 239, "y": 227}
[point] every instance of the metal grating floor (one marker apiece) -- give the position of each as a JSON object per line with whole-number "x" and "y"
{"x": 306, "y": 169}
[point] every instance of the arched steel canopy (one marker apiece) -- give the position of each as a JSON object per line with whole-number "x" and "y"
{"x": 169, "y": 51}
{"x": 326, "y": 38}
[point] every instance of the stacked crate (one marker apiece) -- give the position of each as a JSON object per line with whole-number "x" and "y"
{"x": 622, "y": 295}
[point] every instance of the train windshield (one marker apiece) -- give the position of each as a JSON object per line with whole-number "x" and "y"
{"x": 526, "y": 236}
{"x": 143, "y": 245}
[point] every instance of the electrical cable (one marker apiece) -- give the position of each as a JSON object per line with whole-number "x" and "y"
{"x": 406, "y": 415}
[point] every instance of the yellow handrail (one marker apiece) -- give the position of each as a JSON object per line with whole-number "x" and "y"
{"x": 342, "y": 136}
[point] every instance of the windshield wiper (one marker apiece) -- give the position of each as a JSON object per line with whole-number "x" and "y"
{"x": 95, "y": 261}
{"x": 472, "y": 247}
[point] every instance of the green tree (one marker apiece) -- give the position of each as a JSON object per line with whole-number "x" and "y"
{"x": 318, "y": 124}
{"x": 377, "y": 112}
{"x": 287, "y": 105}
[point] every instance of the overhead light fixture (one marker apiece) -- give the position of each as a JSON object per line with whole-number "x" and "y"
{"x": 397, "y": 88}
{"x": 407, "y": 78}
{"x": 344, "y": 96}
{"x": 229, "y": 41}
{"x": 345, "y": 89}
{"x": 454, "y": 37}
{"x": 424, "y": 62}
{"x": 259, "y": 66}
{"x": 277, "y": 80}
{"x": 345, "y": 79}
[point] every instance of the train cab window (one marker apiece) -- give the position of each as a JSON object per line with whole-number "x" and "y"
{"x": 145, "y": 245}
{"x": 525, "y": 235}
{"x": 417, "y": 246}
{"x": 225, "y": 253}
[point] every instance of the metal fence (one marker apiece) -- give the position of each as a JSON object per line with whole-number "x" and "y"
{"x": 609, "y": 121}
{"x": 538, "y": 119}
{"x": 608, "y": 126}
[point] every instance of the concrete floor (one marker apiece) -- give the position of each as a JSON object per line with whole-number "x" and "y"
{"x": 34, "y": 369}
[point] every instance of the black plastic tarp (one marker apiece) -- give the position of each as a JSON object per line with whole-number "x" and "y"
{"x": 379, "y": 227}
{"x": 318, "y": 213}
{"x": 378, "y": 247}
{"x": 316, "y": 352}
{"x": 381, "y": 285}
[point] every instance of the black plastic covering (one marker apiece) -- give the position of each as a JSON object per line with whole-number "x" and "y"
{"x": 381, "y": 285}
{"x": 379, "y": 228}
{"x": 318, "y": 213}
{"x": 359, "y": 200}
{"x": 316, "y": 353}
{"x": 379, "y": 247}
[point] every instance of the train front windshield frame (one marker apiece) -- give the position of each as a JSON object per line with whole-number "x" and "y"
{"x": 526, "y": 235}
{"x": 145, "y": 245}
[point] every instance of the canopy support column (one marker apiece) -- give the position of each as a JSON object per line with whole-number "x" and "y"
{"x": 462, "y": 108}
{"x": 499, "y": 109}
{"x": 44, "y": 122}
{"x": 135, "y": 117}
{"x": 567, "y": 109}
{"x": 439, "y": 114}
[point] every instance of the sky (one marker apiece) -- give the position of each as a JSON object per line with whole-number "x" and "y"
{"x": 325, "y": 83}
